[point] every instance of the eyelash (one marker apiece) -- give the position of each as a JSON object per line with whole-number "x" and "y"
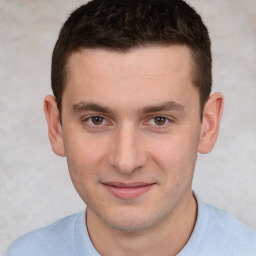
{"x": 90, "y": 123}
{"x": 166, "y": 121}
{"x": 105, "y": 122}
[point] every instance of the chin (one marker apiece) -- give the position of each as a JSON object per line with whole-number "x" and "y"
{"x": 129, "y": 225}
{"x": 132, "y": 221}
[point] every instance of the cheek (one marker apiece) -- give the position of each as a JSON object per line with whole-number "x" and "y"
{"x": 84, "y": 156}
{"x": 177, "y": 163}
{"x": 176, "y": 154}
{"x": 83, "y": 160}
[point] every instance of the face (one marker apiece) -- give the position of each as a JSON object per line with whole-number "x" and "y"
{"x": 131, "y": 129}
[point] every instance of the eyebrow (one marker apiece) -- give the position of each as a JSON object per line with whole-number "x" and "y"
{"x": 89, "y": 106}
{"x": 166, "y": 106}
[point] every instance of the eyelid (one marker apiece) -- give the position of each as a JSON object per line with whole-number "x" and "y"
{"x": 108, "y": 122}
{"x": 168, "y": 119}
{"x": 92, "y": 117}
{"x": 85, "y": 119}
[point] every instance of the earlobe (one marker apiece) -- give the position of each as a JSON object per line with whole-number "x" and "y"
{"x": 210, "y": 123}
{"x": 54, "y": 127}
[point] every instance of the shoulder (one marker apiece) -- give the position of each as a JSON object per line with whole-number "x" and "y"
{"x": 241, "y": 237}
{"x": 55, "y": 239}
{"x": 222, "y": 232}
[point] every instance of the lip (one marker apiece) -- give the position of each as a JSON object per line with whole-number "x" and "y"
{"x": 128, "y": 190}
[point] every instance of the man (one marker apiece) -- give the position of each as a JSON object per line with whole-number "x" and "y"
{"x": 131, "y": 109}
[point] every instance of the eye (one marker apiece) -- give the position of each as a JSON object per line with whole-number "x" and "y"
{"x": 159, "y": 121}
{"x": 96, "y": 120}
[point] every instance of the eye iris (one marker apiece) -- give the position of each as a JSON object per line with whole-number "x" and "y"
{"x": 159, "y": 120}
{"x": 97, "y": 120}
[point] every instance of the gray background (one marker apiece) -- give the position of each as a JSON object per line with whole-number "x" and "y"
{"x": 35, "y": 188}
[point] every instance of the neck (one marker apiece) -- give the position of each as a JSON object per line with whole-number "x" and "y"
{"x": 168, "y": 237}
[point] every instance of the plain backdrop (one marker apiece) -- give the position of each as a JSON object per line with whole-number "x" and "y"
{"x": 35, "y": 188}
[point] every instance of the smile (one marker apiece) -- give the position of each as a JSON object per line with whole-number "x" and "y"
{"x": 127, "y": 190}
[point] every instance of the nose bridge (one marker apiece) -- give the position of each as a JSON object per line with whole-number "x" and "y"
{"x": 128, "y": 154}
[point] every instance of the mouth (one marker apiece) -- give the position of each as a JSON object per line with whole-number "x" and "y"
{"x": 128, "y": 190}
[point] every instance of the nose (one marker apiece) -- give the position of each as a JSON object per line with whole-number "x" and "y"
{"x": 128, "y": 152}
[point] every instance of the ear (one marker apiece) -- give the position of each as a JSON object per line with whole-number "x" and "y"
{"x": 210, "y": 123}
{"x": 54, "y": 127}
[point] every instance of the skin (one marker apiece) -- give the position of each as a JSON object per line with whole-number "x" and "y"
{"x": 128, "y": 121}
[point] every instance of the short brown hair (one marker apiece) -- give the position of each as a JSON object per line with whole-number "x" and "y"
{"x": 122, "y": 25}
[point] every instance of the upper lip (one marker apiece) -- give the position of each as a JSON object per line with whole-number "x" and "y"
{"x": 127, "y": 184}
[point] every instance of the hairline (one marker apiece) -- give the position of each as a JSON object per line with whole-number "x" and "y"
{"x": 193, "y": 70}
{"x": 70, "y": 52}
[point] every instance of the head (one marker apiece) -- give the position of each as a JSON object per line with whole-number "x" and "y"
{"x": 124, "y": 25}
{"x": 132, "y": 81}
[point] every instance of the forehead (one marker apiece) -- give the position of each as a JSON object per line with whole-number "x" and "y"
{"x": 142, "y": 74}
{"x": 155, "y": 60}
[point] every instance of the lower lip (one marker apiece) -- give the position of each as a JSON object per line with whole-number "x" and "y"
{"x": 128, "y": 193}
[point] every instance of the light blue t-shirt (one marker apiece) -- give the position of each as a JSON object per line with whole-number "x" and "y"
{"x": 216, "y": 233}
